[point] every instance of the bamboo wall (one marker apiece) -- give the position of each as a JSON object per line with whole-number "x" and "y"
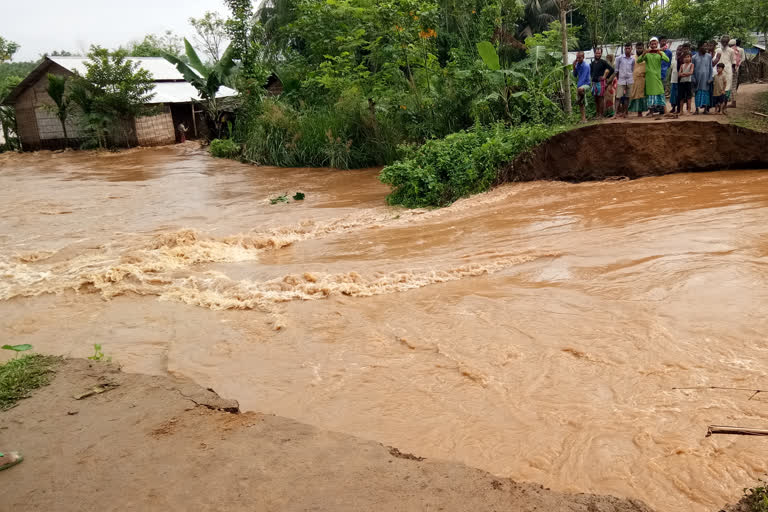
{"x": 156, "y": 130}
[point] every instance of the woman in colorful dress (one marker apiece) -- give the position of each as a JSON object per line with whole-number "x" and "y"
{"x": 654, "y": 87}
{"x": 637, "y": 101}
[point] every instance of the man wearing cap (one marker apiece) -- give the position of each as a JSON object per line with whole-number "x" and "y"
{"x": 654, "y": 87}
{"x": 725, "y": 55}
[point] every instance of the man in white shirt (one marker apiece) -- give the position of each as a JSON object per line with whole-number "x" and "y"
{"x": 625, "y": 67}
{"x": 725, "y": 55}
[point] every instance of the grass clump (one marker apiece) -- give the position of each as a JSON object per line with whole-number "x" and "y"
{"x": 21, "y": 375}
{"x": 756, "y": 499}
{"x": 463, "y": 163}
{"x": 225, "y": 148}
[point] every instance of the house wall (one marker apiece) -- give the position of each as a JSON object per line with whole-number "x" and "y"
{"x": 156, "y": 130}
{"x": 38, "y": 128}
{"x": 26, "y": 120}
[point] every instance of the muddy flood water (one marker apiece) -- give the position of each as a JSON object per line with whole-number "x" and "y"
{"x": 536, "y": 331}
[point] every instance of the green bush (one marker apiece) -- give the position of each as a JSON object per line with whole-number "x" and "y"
{"x": 463, "y": 163}
{"x": 225, "y": 148}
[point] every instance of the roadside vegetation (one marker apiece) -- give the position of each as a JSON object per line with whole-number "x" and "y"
{"x": 21, "y": 375}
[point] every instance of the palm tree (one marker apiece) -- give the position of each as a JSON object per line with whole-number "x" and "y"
{"x": 57, "y": 90}
{"x": 207, "y": 80}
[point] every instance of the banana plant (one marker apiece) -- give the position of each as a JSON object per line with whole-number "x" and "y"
{"x": 57, "y": 90}
{"x": 526, "y": 84}
{"x": 206, "y": 79}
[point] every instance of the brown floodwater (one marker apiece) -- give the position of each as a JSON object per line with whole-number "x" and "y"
{"x": 536, "y": 331}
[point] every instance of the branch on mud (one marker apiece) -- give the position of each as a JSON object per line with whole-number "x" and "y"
{"x": 754, "y": 391}
{"x": 741, "y": 431}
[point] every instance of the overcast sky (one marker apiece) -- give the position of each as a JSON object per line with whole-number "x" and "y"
{"x": 41, "y": 26}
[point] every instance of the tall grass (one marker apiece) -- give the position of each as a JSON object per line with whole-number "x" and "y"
{"x": 345, "y": 135}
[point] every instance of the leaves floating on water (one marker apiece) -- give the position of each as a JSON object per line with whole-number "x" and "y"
{"x": 17, "y": 348}
{"x": 279, "y": 199}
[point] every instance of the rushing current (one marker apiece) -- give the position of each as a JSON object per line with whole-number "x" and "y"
{"x": 537, "y": 331}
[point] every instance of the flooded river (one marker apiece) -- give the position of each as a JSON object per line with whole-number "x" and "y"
{"x": 536, "y": 331}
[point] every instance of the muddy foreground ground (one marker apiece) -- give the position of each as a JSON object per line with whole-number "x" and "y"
{"x": 155, "y": 443}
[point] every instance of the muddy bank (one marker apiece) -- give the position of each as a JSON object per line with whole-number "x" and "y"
{"x": 164, "y": 443}
{"x": 636, "y": 150}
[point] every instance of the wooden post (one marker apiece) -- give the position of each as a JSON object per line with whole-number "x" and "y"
{"x": 194, "y": 121}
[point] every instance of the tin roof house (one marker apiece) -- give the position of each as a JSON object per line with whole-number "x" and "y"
{"x": 174, "y": 97}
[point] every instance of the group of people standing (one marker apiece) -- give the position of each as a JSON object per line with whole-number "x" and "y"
{"x": 642, "y": 82}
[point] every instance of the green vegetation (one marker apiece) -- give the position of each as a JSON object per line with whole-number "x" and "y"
{"x": 224, "y": 148}
{"x": 279, "y": 199}
{"x": 156, "y": 45}
{"x": 98, "y": 355}
{"x": 109, "y": 95}
{"x": 211, "y": 34}
{"x": 756, "y": 499}
{"x": 57, "y": 87}
{"x": 21, "y": 375}
{"x": 463, "y": 163}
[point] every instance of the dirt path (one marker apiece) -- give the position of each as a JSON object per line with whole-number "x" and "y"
{"x": 148, "y": 445}
{"x": 746, "y": 101}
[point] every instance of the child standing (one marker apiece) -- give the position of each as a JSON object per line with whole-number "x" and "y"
{"x": 685, "y": 84}
{"x": 654, "y": 87}
{"x": 720, "y": 85}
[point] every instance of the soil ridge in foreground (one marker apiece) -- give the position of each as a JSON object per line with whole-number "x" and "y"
{"x": 165, "y": 443}
{"x": 636, "y": 150}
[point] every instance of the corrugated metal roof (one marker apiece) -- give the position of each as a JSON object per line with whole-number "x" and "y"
{"x": 182, "y": 92}
{"x": 160, "y": 68}
{"x": 170, "y": 86}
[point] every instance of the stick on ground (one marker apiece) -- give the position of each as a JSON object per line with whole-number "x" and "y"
{"x": 742, "y": 431}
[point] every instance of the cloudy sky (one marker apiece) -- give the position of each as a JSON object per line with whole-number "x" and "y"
{"x": 41, "y": 26}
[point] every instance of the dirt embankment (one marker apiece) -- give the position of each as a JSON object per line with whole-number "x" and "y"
{"x": 636, "y": 150}
{"x": 164, "y": 443}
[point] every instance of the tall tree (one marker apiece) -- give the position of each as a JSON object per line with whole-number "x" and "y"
{"x": 57, "y": 90}
{"x": 239, "y": 27}
{"x": 113, "y": 89}
{"x": 211, "y": 34}
{"x": 563, "y": 6}
{"x": 7, "y": 49}
{"x": 156, "y": 45}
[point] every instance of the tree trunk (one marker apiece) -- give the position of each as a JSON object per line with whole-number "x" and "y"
{"x": 566, "y": 74}
{"x": 64, "y": 129}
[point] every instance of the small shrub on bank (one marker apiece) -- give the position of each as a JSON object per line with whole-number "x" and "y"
{"x": 756, "y": 499}
{"x": 225, "y": 148}
{"x": 21, "y": 375}
{"x": 463, "y": 163}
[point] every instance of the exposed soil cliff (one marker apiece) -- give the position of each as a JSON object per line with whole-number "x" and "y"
{"x": 635, "y": 150}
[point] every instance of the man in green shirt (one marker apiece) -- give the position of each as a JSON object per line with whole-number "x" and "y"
{"x": 654, "y": 88}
